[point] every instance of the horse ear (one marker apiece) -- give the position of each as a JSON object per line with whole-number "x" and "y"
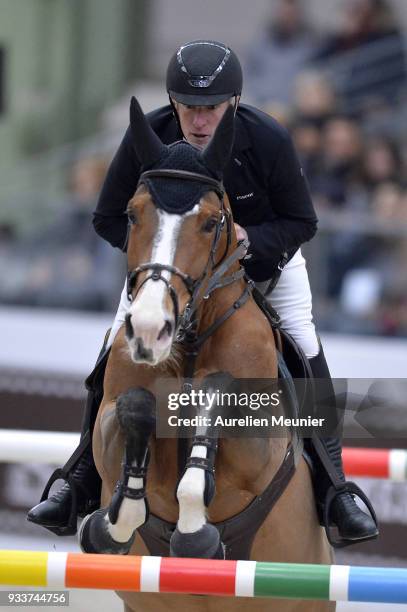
{"x": 146, "y": 143}
{"x": 218, "y": 150}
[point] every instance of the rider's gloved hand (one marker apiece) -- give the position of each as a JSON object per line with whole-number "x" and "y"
{"x": 241, "y": 234}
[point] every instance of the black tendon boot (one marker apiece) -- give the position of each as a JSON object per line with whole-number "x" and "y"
{"x": 80, "y": 495}
{"x": 334, "y": 493}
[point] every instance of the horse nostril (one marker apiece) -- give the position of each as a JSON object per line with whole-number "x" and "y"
{"x": 167, "y": 329}
{"x": 142, "y": 352}
{"x": 129, "y": 327}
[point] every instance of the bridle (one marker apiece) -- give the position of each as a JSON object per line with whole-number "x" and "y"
{"x": 193, "y": 286}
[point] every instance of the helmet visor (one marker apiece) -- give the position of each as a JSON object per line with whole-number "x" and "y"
{"x": 200, "y": 99}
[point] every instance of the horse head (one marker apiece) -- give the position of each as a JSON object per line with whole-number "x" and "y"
{"x": 179, "y": 231}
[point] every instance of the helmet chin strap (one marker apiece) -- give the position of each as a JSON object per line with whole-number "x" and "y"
{"x": 174, "y": 110}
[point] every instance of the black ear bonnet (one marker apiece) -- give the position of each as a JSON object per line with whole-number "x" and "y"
{"x": 174, "y": 196}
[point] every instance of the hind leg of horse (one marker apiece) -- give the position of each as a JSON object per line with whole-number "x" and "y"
{"x": 112, "y": 529}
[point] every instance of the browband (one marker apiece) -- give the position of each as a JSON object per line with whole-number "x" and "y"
{"x": 184, "y": 174}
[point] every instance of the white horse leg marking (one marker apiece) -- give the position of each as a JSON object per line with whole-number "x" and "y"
{"x": 132, "y": 515}
{"x": 190, "y": 494}
{"x": 191, "y": 489}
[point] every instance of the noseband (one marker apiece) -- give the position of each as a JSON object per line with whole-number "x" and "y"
{"x": 193, "y": 286}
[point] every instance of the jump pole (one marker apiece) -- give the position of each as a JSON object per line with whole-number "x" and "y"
{"x": 23, "y": 446}
{"x": 376, "y": 463}
{"x": 203, "y": 576}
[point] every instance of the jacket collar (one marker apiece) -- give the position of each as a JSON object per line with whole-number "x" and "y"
{"x": 242, "y": 140}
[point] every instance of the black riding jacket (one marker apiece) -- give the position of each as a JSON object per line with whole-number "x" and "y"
{"x": 264, "y": 181}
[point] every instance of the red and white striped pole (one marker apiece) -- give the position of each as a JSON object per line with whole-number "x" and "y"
{"x": 375, "y": 463}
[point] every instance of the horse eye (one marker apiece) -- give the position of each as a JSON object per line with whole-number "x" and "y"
{"x": 132, "y": 216}
{"x": 209, "y": 224}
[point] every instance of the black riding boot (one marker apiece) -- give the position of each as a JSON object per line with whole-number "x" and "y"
{"x": 352, "y": 523}
{"x": 80, "y": 495}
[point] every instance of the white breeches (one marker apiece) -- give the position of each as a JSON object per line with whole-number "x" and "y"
{"x": 291, "y": 298}
{"x": 124, "y": 305}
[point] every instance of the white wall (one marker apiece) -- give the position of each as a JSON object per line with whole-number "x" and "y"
{"x": 69, "y": 342}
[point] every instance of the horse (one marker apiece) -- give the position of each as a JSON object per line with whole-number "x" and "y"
{"x": 193, "y": 318}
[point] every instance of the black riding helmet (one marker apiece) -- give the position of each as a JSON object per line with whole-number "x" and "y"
{"x": 203, "y": 73}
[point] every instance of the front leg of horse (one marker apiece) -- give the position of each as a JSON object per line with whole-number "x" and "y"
{"x": 113, "y": 529}
{"x": 194, "y": 536}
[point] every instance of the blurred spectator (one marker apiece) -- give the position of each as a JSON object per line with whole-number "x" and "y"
{"x": 348, "y": 251}
{"x": 369, "y": 50}
{"x": 392, "y": 314}
{"x": 336, "y": 185}
{"x": 307, "y": 137}
{"x": 314, "y": 104}
{"x": 381, "y": 162}
{"x": 314, "y": 97}
{"x": 66, "y": 264}
{"x": 280, "y": 52}
{"x": 360, "y": 294}
{"x": 389, "y": 203}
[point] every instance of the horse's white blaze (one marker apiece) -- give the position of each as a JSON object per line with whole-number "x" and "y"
{"x": 191, "y": 489}
{"x": 132, "y": 514}
{"x": 148, "y": 311}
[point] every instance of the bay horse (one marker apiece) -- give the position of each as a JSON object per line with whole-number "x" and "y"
{"x": 184, "y": 281}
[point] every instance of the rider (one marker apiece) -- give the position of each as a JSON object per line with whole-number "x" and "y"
{"x": 272, "y": 208}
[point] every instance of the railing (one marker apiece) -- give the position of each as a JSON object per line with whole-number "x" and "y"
{"x": 370, "y": 72}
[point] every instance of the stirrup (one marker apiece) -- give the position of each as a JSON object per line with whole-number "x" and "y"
{"x": 332, "y": 494}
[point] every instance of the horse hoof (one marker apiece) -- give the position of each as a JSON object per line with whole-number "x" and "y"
{"x": 202, "y": 544}
{"x": 94, "y": 536}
